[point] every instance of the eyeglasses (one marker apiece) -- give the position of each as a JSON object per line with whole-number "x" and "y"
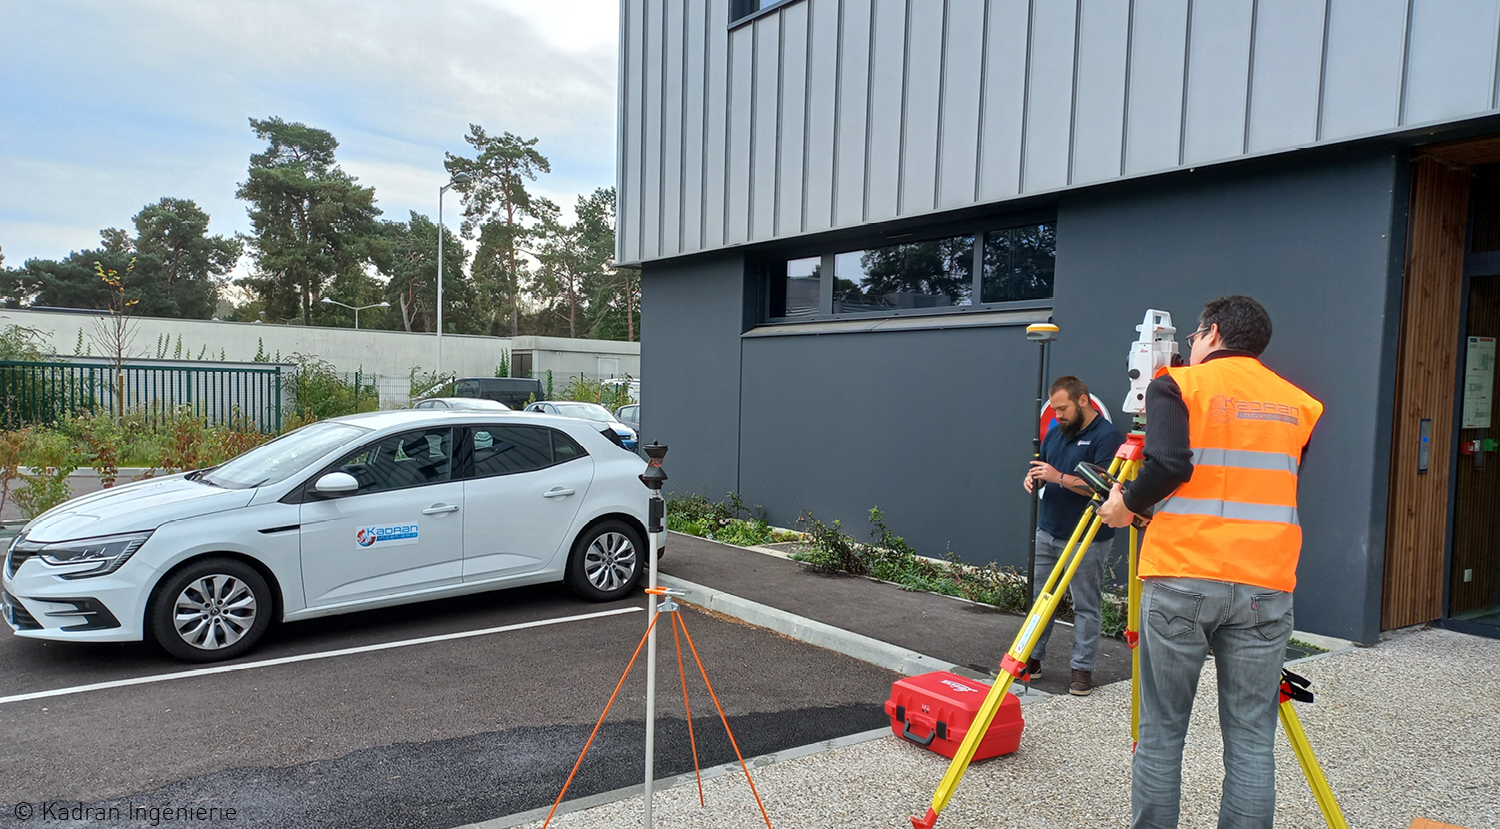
{"x": 1191, "y": 338}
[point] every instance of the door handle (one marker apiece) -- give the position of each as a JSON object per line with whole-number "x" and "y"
{"x": 439, "y": 509}
{"x": 558, "y": 492}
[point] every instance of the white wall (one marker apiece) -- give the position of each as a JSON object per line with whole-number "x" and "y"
{"x": 392, "y": 353}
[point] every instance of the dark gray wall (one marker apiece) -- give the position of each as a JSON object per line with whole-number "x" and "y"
{"x": 927, "y": 425}
{"x": 692, "y": 314}
{"x": 1313, "y": 242}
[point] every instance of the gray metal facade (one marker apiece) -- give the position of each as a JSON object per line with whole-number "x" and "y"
{"x": 826, "y": 114}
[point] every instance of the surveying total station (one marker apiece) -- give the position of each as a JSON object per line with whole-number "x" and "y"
{"x": 1154, "y": 349}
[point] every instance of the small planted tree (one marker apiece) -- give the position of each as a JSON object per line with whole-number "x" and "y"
{"x": 115, "y": 333}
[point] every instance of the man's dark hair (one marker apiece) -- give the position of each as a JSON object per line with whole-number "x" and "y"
{"x": 1243, "y": 324}
{"x": 1076, "y": 389}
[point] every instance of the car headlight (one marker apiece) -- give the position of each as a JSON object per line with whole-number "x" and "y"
{"x": 108, "y": 553}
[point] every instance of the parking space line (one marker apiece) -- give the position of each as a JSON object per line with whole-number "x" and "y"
{"x": 287, "y": 660}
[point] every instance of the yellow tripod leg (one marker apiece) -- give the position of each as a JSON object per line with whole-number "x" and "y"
{"x": 1015, "y": 659}
{"x": 1133, "y": 590}
{"x": 1332, "y": 815}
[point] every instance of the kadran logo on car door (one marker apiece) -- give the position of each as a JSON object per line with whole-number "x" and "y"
{"x": 388, "y": 536}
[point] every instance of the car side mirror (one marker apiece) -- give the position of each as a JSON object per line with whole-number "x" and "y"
{"x": 336, "y": 483}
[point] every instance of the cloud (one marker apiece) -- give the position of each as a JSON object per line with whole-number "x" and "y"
{"x": 109, "y": 106}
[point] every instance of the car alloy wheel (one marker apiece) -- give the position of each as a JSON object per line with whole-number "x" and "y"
{"x": 211, "y": 609}
{"x": 606, "y": 561}
{"x": 610, "y": 561}
{"x": 214, "y": 612}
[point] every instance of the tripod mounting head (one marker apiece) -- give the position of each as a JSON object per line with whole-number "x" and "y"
{"x": 1154, "y": 350}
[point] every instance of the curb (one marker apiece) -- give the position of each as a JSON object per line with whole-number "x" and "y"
{"x": 858, "y": 646}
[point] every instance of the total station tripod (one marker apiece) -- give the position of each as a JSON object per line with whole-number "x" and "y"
{"x": 1126, "y": 464}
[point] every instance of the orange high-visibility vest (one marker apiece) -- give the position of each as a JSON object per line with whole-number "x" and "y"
{"x": 1235, "y": 520}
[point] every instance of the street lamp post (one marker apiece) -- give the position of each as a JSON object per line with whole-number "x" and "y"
{"x": 460, "y": 178}
{"x": 354, "y": 309}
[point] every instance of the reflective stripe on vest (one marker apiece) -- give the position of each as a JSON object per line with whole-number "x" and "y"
{"x": 1233, "y": 510}
{"x": 1246, "y": 459}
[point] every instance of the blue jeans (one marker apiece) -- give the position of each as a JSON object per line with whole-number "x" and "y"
{"x": 1085, "y": 589}
{"x": 1248, "y": 628}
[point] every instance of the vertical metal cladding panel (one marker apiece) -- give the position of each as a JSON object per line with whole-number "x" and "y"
{"x": 1288, "y": 65}
{"x": 963, "y": 67}
{"x": 793, "y": 128}
{"x": 1099, "y": 116}
{"x": 1450, "y": 67}
{"x": 693, "y": 125}
{"x": 1158, "y": 50}
{"x": 671, "y": 142}
{"x": 1362, "y": 67}
{"x": 1002, "y": 113}
{"x": 716, "y": 136}
{"x": 651, "y": 163}
{"x": 628, "y": 224}
{"x": 1049, "y": 95}
{"x": 737, "y": 164}
{"x": 1218, "y": 80}
{"x": 764, "y": 120}
{"x": 854, "y": 98}
{"x": 924, "y": 95}
{"x": 822, "y": 103}
{"x": 887, "y": 103}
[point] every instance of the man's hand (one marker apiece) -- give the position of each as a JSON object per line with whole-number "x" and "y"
{"x": 1113, "y": 511}
{"x": 1041, "y": 471}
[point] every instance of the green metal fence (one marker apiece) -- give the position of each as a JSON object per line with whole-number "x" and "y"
{"x": 39, "y": 393}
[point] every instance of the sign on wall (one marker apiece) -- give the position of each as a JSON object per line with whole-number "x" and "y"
{"x": 1479, "y": 383}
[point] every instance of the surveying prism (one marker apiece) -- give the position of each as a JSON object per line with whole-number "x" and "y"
{"x": 1154, "y": 350}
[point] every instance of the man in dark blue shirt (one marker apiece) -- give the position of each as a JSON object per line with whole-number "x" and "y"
{"x": 1081, "y": 434}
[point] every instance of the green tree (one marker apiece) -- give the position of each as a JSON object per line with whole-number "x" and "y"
{"x": 312, "y": 221}
{"x": 497, "y": 203}
{"x": 412, "y": 270}
{"x": 175, "y": 233}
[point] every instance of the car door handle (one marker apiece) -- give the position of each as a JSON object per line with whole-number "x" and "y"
{"x": 439, "y": 509}
{"x": 558, "y": 492}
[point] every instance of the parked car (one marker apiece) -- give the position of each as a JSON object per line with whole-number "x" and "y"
{"x": 630, "y": 415}
{"x": 465, "y": 403}
{"x": 349, "y": 514}
{"x": 592, "y": 412}
{"x": 514, "y": 392}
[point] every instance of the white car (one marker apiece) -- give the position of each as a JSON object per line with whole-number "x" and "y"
{"x": 359, "y": 512}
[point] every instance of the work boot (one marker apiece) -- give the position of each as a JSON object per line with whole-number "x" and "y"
{"x": 1034, "y": 668}
{"x": 1083, "y": 683}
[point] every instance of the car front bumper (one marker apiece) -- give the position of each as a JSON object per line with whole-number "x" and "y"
{"x": 38, "y": 604}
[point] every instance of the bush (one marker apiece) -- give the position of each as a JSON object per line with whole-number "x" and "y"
{"x": 318, "y": 393}
{"x": 52, "y": 457}
{"x": 609, "y": 395}
{"x": 693, "y": 514}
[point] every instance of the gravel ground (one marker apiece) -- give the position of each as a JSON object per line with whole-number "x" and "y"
{"x": 1403, "y": 730}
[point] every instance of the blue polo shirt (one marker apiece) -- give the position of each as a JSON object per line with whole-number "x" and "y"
{"x": 1061, "y": 507}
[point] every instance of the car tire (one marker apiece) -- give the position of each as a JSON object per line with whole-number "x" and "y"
{"x": 607, "y": 561}
{"x": 211, "y": 610}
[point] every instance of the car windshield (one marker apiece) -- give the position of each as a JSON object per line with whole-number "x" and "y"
{"x": 283, "y": 457}
{"x": 587, "y": 411}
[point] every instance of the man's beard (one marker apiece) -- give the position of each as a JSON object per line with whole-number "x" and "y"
{"x": 1071, "y": 428}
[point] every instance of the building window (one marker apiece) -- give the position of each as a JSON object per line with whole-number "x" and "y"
{"x": 938, "y": 273}
{"x": 984, "y": 269}
{"x": 1019, "y": 263}
{"x": 741, "y": 9}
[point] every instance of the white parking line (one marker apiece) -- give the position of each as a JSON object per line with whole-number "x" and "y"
{"x": 287, "y": 660}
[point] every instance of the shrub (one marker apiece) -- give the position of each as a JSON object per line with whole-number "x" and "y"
{"x": 52, "y": 457}
{"x": 317, "y": 392}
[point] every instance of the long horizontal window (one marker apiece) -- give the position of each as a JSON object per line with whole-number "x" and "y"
{"x": 992, "y": 267}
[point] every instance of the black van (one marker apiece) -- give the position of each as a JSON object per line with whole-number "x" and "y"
{"x": 514, "y": 392}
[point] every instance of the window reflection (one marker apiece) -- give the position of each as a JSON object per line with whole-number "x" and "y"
{"x": 802, "y": 286}
{"x": 937, "y": 273}
{"x": 1019, "y": 263}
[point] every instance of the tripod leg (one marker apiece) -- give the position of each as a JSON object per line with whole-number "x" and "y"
{"x": 1332, "y": 815}
{"x": 682, "y": 676}
{"x": 1015, "y": 659}
{"x": 1133, "y": 589}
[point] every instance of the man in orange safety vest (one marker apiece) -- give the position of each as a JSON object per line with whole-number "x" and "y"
{"x": 1225, "y": 439}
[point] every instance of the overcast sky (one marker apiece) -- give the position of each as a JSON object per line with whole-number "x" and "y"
{"x": 106, "y": 106}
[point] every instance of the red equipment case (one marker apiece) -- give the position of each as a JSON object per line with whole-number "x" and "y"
{"x": 935, "y": 711}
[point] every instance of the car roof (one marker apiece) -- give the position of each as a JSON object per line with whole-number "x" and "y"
{"x": 398, "y": 418}
{"x": 474, "y": 402}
